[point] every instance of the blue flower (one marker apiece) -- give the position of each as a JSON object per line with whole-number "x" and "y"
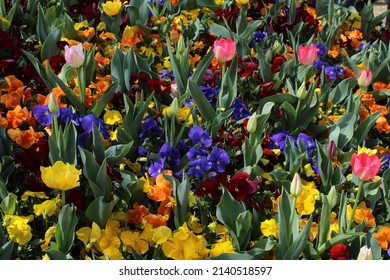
{"x": 259, "y": 36}
{"x": 67, "y": 115}
{"x": 199, "y": 167}
{"x": 157, "y": 167}
{"x": 209, "y": 91}
{"x": 150, "y": 125}
{"x": 240, "y": 110}
{"x": 172, "y": 155}
{"x": 89, "y": 120}
{"x": 196, "y": 152}
{"x": 385, "y": 162}
{"x": 321, "y": 49}
{"x": 199, "y": 136}
{"x": 219, "y": 159}
{"x": 279, "y": 140}
{"x": 43, "y": 115}
{"x": 319, "y": 65}
{"x": 309, "y": 143}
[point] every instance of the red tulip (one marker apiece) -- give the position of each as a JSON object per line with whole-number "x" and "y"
{"x": 224, "y": 49}
{"x": 307, "y": 54}
{"x": 364, "y": 78}
{"x": 339, "y": 252}
{"x": 365, "y": 166}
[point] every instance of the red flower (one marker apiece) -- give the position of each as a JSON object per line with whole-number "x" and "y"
{"x": 159, "y": 86}
{"x": 364, "y": 166}
{"x": 339, "y": 252}
{"x": 240, "y": 186}
{"x": 212, "y": 186}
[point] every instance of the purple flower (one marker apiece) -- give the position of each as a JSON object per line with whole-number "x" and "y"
{"x": 199, "y": 167}
{"x": 319, "y": 65}
{"x": 385, "y": 162}
{"x": 259, "y": 36}
{"x": 240, "y": 110}
{"x": 321, "y": 49}
{"x": 279, "y": 140}
{"x": 209, "y": 91}
{"x": 196, "y": 152}
{"x": 89, "y": 120}
{"x": 157, "y": 167}
{"x": 150, "y": 125}
{"x": 219, "y": 159}
{"x": 43, "y": 115}
{"x": 309, "y": 143}
{"x": 67, "y": 115}
{"x": 199, "y": 136}
{"x": 172, "y": 155}
{"x": 334, "y": 71}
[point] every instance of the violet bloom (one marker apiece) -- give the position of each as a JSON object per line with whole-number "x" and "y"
{"x": 67, "y": 115}
{"x": 240, "y": 110}
{"x": 150, "y": 125}
{"x": 157, "y": 168}
{"x": 89, "y": 120}
{"x": 172, "y": 155}
{"x": 219, "y": 159}
{"x": 199, "y": 167}
{"x": 309, "y": 143}
{"x": 279, "y": 140}
{"x": 43, "y": 115}
{"x": 322, "y": 49}
{"x": 199, "y": 136}
{"x": 196, "y": 152}
{"x": 209, "y": 91}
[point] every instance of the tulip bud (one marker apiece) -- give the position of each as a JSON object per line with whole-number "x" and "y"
{"x": 268, "y": 55}
{"x": 74, "y": 55}
{"x": 302, "y": 92}
{"x": 53, "y": 104}
{"x": 296, "y": 185}
{"x": 277, "y": 47}
{"x": 364, "y": 78}
{"x": 224, "y": 49}
{"x": 252, "y": 123}
{"x": 307, "y": 54}
{"x": 365, "y": 253}
{"x": 332, "y": 197}
{"x": 181, "y": 46}
{"x": 331, "y": 149}
{"x": 174, "y": 107}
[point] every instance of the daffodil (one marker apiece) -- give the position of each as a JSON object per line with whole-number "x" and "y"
{"x": 62, "y": 176}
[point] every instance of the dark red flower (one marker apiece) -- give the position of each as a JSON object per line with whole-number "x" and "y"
{"x": 240, "y": 186}
{"x": 339, "y": 252}
{"x": 276, "y": 62}
{"x": 158, "y": 86}
{"x": 212, "y": 186}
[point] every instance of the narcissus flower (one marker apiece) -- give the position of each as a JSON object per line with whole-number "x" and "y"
{"x": 74, "y": 55}
{"x": 224, "y": 49}
{"x": 62, "y": 176}
{"x": 364, "y": 166}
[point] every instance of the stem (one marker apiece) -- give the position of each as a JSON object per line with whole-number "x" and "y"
{"x": 63, "y": 198}
{"x": 293, "y": 213}
{"x": 81, "y": 83}
{"x": 355, "y": 204}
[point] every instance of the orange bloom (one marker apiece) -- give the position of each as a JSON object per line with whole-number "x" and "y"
{"x": 57, "y": 92}
{"x": 167, "y": 206}
{"x": 88, "y": 32}
{"x": 101, "y": 60}
{"x": 380, "y": 86}
{"x": 11, "y": 84}
{"x": 161, "y": 190}
{"x": 132, "y": 35}
{"x": 136, "y": 215}
{"x": 155, "y": 220}
{"x": 3, "y": 123}
{"x": 11, "y": 100}
{"x": 383, "y": 236}
{"x": 356, "y": 37}
{"x": 107, "y": 35}
{"x": 17, "y": 116}
{"x": 368, "y": 99}
{"x": 24, "y": 138}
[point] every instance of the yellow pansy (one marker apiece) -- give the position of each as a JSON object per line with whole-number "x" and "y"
{"x": 242, "y": 2}
{"x": 194, "y": 224}
{"x": 133, "y": 240}
{"x": 17, "y": 228}
{"x": 112, "y": 8}
{"x": 364, "y": 150}
{"x": 46, "y": 208}
{"x": 28, "y": 194}
{"x": 269, "y": 227}
{"x": 307, "y": 199}
{"x": 147, "y": 233}
{"x": 62, "y": 176}
{"x": 308, "y": 170}
{"x": 161, "y": 234}
{"x": 219, "y": 248}
{"x": 219, "y": 2}
{"x": 79, "y": 25}
{"x": 362, "y": 213}
{"x": 89, "y": 235}
{"x": 111, "y": 117}
{"x": 49, "y": 234}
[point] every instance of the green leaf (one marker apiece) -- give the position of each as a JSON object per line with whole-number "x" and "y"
{"x": 324, "y": 226}
{"x": 218, "y": 121}
{"x": 285, "y": 235}
{"x": 204, "y": 106}
{"x": 65, "y": 230}
{"x": 99, "y": 211}
{"x": 231, "y": 256}
{"x": 98, "y": 146}
{"x": 198, "y": 75}
{"x": 53, "y": 252}
{"x": 299, "y": 243}
{"x": 228, "y": 210}
{"x": 243, "y": 226}
{"x": 9, "y": 203}
{"x": 42, "y": 25}
{"x": 365, "y": 126}
{"x": 49, "y": 47}
{"x": 6, "y": 248}
{"x": 264, "y": 67}
{"x": 342, "y": 132}
{"x": 115, "y": 153}
{"x": 219, "y": 31}
{"x": 290, "y": 115}
{"x": 41, "y": 70}
{"x": 262, "y": 247}
{"x": 336, "y": 240}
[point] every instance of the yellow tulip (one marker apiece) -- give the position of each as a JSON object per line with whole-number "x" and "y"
{"x": 112, "y": 8}
{"x": 62, "y": 176}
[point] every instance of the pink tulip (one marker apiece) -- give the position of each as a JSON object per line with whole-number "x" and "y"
{"x": 224, "y": 49}
{"x": 365, "y": 166}
{"x": 74, "y": 55}
{"x": 307, "y": 54}
{"x": 364, "y": 78}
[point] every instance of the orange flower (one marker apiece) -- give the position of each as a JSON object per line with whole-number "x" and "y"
{"x": 136, "y": 214}
{"x": 107, "y": 35}
{"x": 101, "y": 60}
{"x": 11, "y": 84}
{"x": 11, "y": 100}
{"x": 3, "y": 123}
{"x": 155, "y": 220}
{"x": 167, "y": 206}
{"x": 132, "y": 35}
{"x": 161, "y": 190}
{"x": 368, "y": 99}
{"x": 88, "y": 32}
{"x": 57, "y": 92}
{"x": 356, "y": 37}
{"x": 383, "y": 236}
{"x": 24, "y": 138}
{"x": 381, "y": 86}
{"x": 17, "y": 116}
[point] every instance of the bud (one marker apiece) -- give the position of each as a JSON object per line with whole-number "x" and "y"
{"x": 174, "y": 107}
{"x": 296, "y": 185}
{"x": 53, "y": 104}
{"x": 302, "y": 92}
{"x": 365, "y": 253}
{"x": 331, "y": 149}
{"x": 364, "y": 78}
{"x": 332, "y": 197}
{"x": 277, "y": 47}
{"x": 224, "y": 49}
{"x": 268, "y": 55}
{"x": 181, "y": 46}
{"x": 74, "y": 55}
{"x": 252, "y": 123}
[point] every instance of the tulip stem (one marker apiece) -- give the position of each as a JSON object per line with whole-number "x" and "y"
{"x": 293, "y": 213}
{"x": 355, "y": 204}
{"x": 81, "y": 83}
{"x": 63, "y": 198}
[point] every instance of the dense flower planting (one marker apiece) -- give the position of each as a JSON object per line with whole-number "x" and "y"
{"x": 194, "y": 129}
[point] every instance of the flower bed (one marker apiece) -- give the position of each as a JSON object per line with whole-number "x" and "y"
{"x": 193, "y": 130}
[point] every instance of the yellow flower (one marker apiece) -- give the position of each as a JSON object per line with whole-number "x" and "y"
{"x": 109, "y": 242}
{"x": 221, "y": 248}
{"x": 89, "y": 235}
{"x": 219, "y": 2}
{"x": 185, "y": 245}
{"x": 18, "y": 229}
{"x": 28, "y": 194}
{"x": 112, "y": 117}
{"x": 147, "y": 233}
{"x": 362, "y": 213}
{"x": 307, "y": 199}
{"x": 242, "y": 2}
{"x": 79, "y": 25}
{"x": 112, "y": 8}
{"x": 50, "y": 233}
{"x": 161, "y": 234}
{"x": 46, "y": 208}
{"x": 132, "y": 239}
{"x": 62, "y": 176}
{"x": 269, "y": 227}
{"x": 364, "y": 150}
{"x": 194, "y": 224}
